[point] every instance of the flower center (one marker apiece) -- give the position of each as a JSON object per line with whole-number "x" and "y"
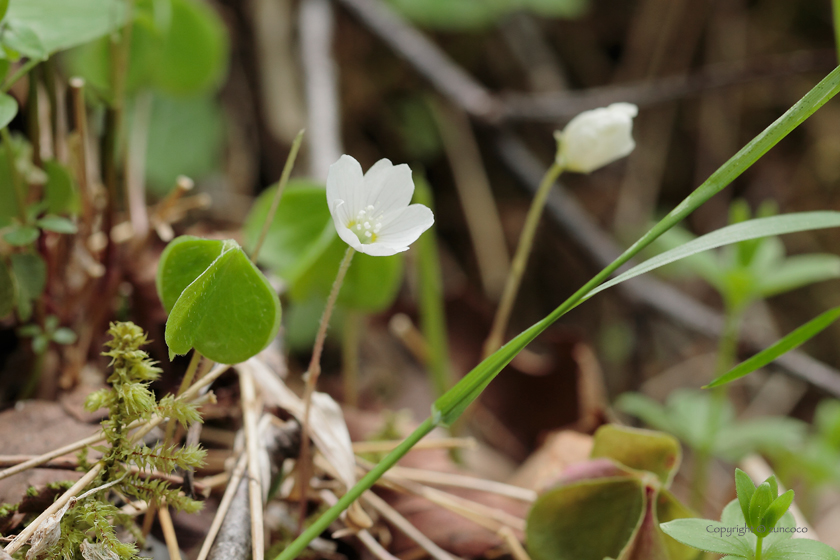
{"x": 366, "y": 225}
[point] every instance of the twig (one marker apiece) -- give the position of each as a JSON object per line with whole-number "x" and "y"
{"x": 251, "y": 413}
{"x": 363, "y": 535}
{"x": 401, "y": 523}
{"x": 360, "y": 447}
{"x": 562, "y": 106}
{"x": 427, "y": 58}
{"x": 437, "y": 478}
{"x": 221, "y": 513}
{"x": 474, "y": 192}
{"x": 233, "y": 524}
{"x": 77, "y": 95}
{"x": 278, "y": 193}
{"x": 315, "y": 24}
{"x": 135, "y": 174}
{"x": 513, "y": 544}
{"x": 46, "y": 457}
{"x": 567, "y": 212}
{"x": 169, "y": 533}
{"x": 80, "y": 485}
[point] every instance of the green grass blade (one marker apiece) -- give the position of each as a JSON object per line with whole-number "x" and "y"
{"x": 791, "y": 341}
{"x": 751, "y": 229}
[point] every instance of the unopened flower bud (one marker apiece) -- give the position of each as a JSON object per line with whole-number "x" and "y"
{"x": 596, "y": 138}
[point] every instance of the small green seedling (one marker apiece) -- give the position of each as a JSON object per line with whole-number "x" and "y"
{"x": 41, "y": 337}
{"x": 755, "y": 526}
{"x": 708, "y": 424}
{"x": 601, "y": 508}
{"x": 218, "y": 302}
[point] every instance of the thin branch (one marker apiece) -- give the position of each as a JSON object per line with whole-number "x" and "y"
{"x": 401, "y": 523}
{"x": 449, "y": 78}
{"x": 250, "y": 411}
{"x": 438, "y": 478}
{"x": 232, "y": 490}
{"x": 169, "y": 533}
{"x": 360, "y": 447}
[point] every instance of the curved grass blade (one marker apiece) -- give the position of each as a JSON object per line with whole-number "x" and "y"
{"x": 743, "y": 231}
{"x": 791, "y": 341}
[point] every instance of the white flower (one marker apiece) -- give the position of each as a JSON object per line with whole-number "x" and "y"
{"x": 596, "y": 138}
{"x": 371, "y": 211}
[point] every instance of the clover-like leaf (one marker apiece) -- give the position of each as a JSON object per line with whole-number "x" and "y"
{"x": 228, "y": 312}
{"x": 643, "y": 450}
{"x": 586, "y": 520}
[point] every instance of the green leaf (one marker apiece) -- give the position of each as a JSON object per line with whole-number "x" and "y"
{"x": 777, "y": 509}
{"x": 65, "y": 336}
{"x": 62, "y": 194}
{"x": 184, "y": 259}
{"x": 40, "y": 343}
{"x": 7, "y": 290}
{"x": 30, "y": 274}
{"x": 795, "y": 272}
{"x": 744, "y": 488}
{"x": 801, "y": 549}
{"x": 186, "y": 137}
{"x": 229, "y": 313}
{"x": 193, "y": 53}
{"x": 759, "y": 503}
{"x": 8, "y": 109}
{"x": 669, "y": 508}
{"x": 303, "y": 248}
{"x": 704, "y": 534}
{"x": 29, "y": 330}
{"x": 643, "y": 450}
{"x": 57, "y": 224}
{"x": 4, "y": 7}
{"x": 784, "y": 345}
{"x": 646, "y": 409}
{"x": 750, "y": 229}
{"x": 20, "y": 37}
{"x": 20, "y": 236}
{"x": 61, "y": 24}
{"x": 766, "y": 434}
{"x": 585, "y": 520}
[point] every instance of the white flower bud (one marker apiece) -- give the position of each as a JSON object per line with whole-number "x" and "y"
{"x": 596, "y": 138}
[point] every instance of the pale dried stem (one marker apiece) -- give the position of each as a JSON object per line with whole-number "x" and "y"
{"x": 364, "y": 536}
{"x": 74, "y": 490}
{"x": 401, "y": 523}
{"x": 437, "y": 478}
{"x": 513, "y": 544}
{"x": 169, "y": 533}
{"x": 224, "y": 506}
{"x": 360, "y": 447}
{"x": 77, "y": 94}
{"x": 251, "y": 413}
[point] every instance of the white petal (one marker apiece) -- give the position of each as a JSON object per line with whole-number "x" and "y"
{"x": 388, "y": 187}
{"x": 379, "y": 250}
{"x": 344, "y": 183}
{"x": 405, "y": 228}
{"x": 596, "y": 138}
{"x": 348, "y": 236}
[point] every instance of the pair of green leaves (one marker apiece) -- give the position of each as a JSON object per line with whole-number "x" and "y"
{"x": 51, "y": 332}
{"x": 611, "y": 506}
{"x": 218, "y": 302}
{"x": 757, "y": 513}
{"x": 708, "y": 424}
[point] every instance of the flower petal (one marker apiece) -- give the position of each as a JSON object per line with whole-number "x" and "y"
{"x": 344, "y": 182}
{"x": 388, "y": 187}
{"x": 404, "y": 229}
{"x": 348, "y": 236}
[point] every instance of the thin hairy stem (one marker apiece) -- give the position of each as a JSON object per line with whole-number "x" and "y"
{"x": 312, "y": 378}
{"x": 520, "y": 261}
{"x": 275, "y": 202}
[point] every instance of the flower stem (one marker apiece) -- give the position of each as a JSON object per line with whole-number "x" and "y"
{"x": 520, "y": 260}
{"x": 281, "y": 186}
{"x": 17, "y": 180}
{"x": 321, "y": 524}
{"x": 312, "y": 375}
{"x": 758, "y": 546}
{"x": 354, "y": 324}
